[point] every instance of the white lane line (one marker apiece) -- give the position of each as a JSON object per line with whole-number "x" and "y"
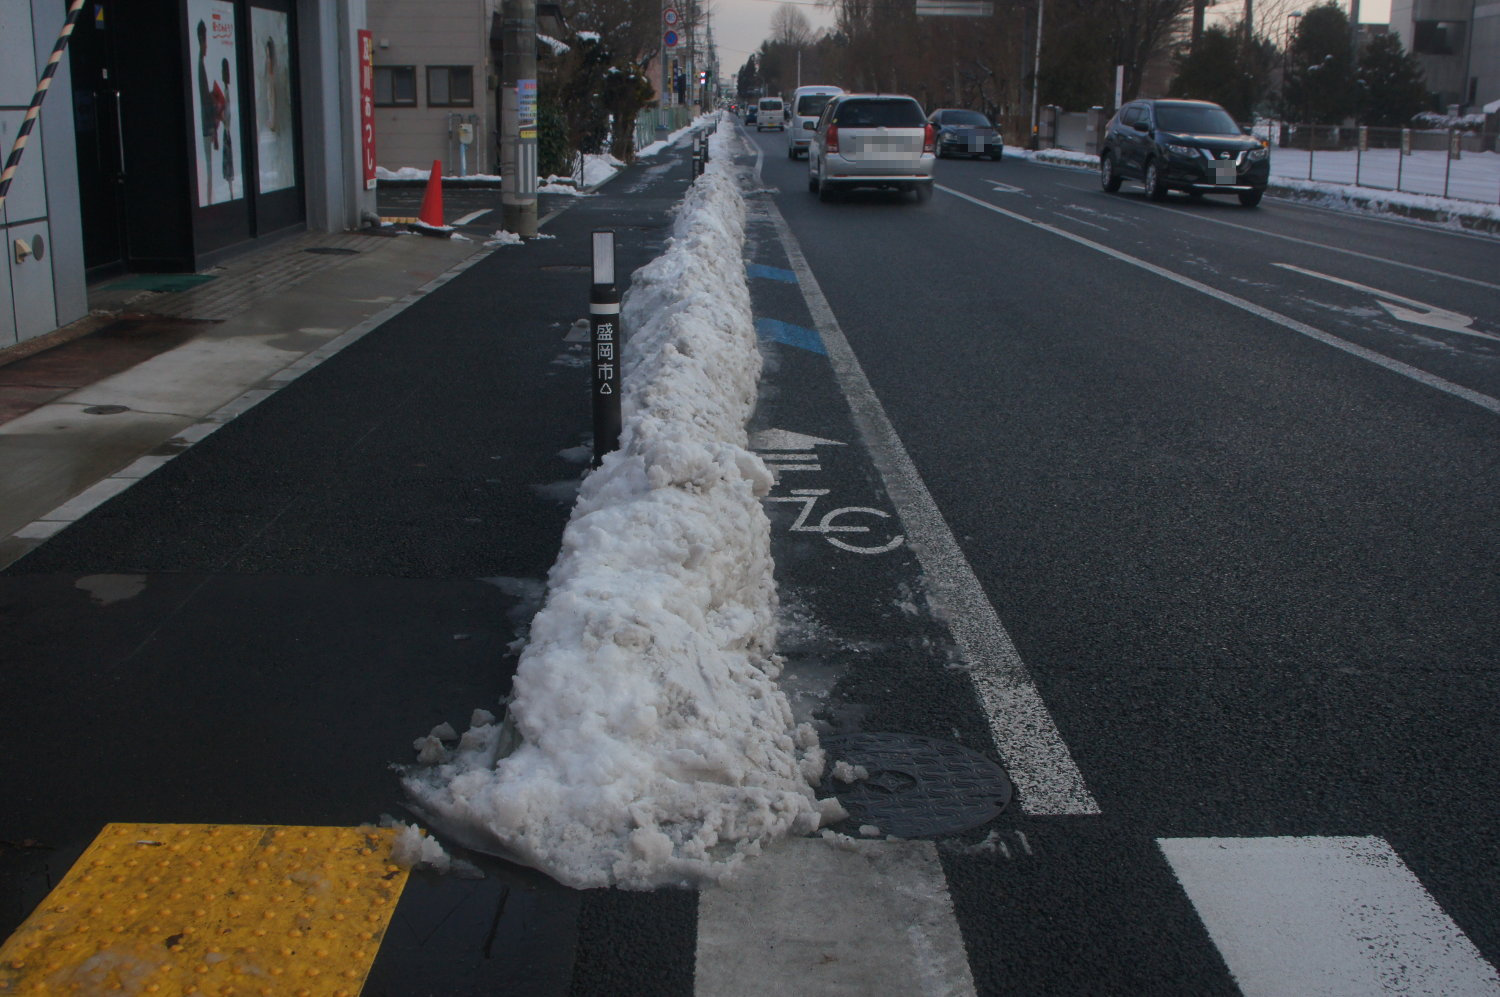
{"x": 889, "y": 932}
{"x": 1328, "y": 339}
{"x": 1336, "y": 249}
{"x": 1324, "y": 916}
{"x": 1033, "y": 751}
{"x": 466, "y": 219}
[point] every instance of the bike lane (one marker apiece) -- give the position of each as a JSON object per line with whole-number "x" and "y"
{"x": 1049, "y": 896}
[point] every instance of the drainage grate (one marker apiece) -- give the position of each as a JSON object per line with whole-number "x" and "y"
{"x": 331, "y": 251}
{"x": 567, "y": 267}
{"x": 918, "y": 787}
{"x": 105, "y": 410}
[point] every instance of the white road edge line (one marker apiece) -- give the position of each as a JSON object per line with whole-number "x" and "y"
{"x": 466, "y": 219}
{"x": 1336, "y": 915}
{"x": 1328, "y": 339}
{"x": 1034, "y": 753}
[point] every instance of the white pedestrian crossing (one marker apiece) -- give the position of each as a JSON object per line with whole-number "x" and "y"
{"x": 1319, "y": 917}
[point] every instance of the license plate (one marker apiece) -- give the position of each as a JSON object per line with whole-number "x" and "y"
{"x": 1224, "y": 173}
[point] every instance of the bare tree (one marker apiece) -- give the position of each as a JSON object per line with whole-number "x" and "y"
{"x": 789, "y": 26}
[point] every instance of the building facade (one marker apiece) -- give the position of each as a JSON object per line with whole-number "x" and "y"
{"x": 1457, "y": 43}
{"x": 176, "y": 134}
{"x": 435, "y": 85}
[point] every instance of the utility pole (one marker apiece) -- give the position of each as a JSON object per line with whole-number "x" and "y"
{"x": 518, "y": 119}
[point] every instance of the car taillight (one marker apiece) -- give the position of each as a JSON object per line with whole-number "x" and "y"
{"x": 929, "y": 140}
{"x": 833, "y": 138}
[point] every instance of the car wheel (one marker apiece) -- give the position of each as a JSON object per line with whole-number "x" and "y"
{"x": 997, "y": 156}
{"x": 923, "y": 192}
{"x": 1108, "y": 178}
{"x": 825, "y": 190}
{"x": 1156, "y": 186}
{"x": 1250, "y": 198}
{"x": 791, "y": 153}
{"x": 812, "y": 178}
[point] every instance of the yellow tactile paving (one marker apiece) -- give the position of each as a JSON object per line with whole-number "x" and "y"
{"x": 211, "y": 909}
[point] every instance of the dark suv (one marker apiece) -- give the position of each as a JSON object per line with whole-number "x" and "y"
{"x": 1187, "y": 145}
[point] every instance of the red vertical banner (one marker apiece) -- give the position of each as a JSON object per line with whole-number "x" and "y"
{"x": 367, "y": 104}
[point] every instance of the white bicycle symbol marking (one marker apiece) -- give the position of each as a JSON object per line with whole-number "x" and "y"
{"x": 827, "y": 525}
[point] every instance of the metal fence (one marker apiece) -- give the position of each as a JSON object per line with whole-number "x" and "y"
{"x": 1416, "y": 161}
{"x": 653, "y": 123}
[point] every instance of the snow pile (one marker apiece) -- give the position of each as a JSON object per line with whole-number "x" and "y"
{"x": 655, "y": 747}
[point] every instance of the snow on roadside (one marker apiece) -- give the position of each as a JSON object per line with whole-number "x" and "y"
{"x": 654, "y": 745}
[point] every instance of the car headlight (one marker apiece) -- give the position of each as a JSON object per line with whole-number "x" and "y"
{"x": 1256, "y": 155}
{"x": 1182, "y": 150}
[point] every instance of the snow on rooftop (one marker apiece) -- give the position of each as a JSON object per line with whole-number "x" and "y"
{"x": 654, "y": 745}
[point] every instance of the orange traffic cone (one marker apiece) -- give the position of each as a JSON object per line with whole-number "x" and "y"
{"x": 430, "y": 220}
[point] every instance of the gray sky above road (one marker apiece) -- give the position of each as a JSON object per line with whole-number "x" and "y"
{"x": 741, "y": 25}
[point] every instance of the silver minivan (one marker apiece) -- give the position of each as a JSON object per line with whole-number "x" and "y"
{"x": 872, "y": 140}
{"x": 802, "y": 116}
{"x": 769, "y": 114}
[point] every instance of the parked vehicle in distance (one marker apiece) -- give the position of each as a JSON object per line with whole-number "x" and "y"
{"x": 770, "y": 114}
{"x": 1188, "y": 145}
{"x": 802, "y": 116}
{"x": 871, "y": 140}
{"x": 750, "y": 113}
{"x": 967, "y": 133}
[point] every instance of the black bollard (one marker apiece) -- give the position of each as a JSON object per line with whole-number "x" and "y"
{"x": 605, "y": 341}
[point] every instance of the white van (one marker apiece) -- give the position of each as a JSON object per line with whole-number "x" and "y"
{"x": 770, "y": 114}
{"x": 802, "y": 116}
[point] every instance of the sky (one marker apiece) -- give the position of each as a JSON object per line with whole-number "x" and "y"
{"x": 741, "y": 25}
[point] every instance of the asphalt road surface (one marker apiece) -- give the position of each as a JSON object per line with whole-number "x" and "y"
{"x": 1227, "y": 480}
{"x": 1144, "y": 554}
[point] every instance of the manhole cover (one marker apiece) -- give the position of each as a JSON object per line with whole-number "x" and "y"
{"x": 105, "y": 409}
{"x": 567, "y": 267}
{"x": 331, "y": 251}
{"x": 917, "y": 787}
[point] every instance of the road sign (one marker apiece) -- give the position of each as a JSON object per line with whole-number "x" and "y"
{"x": 670, "y": 39}
{"x": 670, "y": 17}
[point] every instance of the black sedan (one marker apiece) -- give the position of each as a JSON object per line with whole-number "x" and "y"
{"x": 965, "y": 133}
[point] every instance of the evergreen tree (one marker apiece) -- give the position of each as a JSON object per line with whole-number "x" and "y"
{"x": 1221, "y": 68}
{"x": 1391, "y": 87}
{"x": 1319, "y": 87}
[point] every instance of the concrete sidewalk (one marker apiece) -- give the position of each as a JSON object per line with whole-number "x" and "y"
{"x": 150, "y": 373}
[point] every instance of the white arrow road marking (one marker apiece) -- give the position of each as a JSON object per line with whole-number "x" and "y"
{"x": 1004, "y": 188}
{"x": 1404, "y": 309}
{"x": 776, "y": 445}
{"x": 785, "y": 439}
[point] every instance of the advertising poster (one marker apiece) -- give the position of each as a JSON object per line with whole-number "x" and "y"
{"x": 216, "y": 101}
{"x": 275, "y": 137}
{"x": 367, "y": 105}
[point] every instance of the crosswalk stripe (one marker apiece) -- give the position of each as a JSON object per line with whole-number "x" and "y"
{"x": 1324, "y": 916}
{"x": 862, "y": 918}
